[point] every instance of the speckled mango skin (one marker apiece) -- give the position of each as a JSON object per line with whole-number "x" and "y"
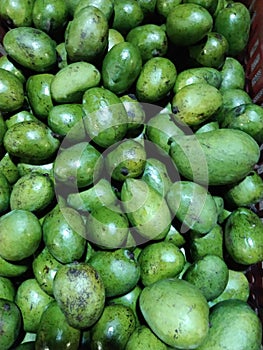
{"x": 217, "y": 157}
{"x": 144, "y": 339}
{"x": 11, "y": 91}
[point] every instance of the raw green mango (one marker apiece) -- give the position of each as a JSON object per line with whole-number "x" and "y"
{"x": 86, "y": 37}
{"x": 39, "y": 94}
{"x": 7, "y": 64}
{"x": 192, "y": 205}
{"x": 197, "y": 157}
{"x": 143, "y": 338}
{"x": 156, "y": 79}
{"x": 20, "y": 234}
{"x": 54, "y": 332}
{"x": 112, "y": 127}
{"x": 189, "y": 76}
{"x": 11, "y": 91}
{"x": 64, "y": 234}
{"x": 80, "y": 293}
{"x": 210, "y": 126}
{"x": 33, "y": 192}
{"x": 20, "y": 44}
{"x": 186, "y": 24}
{"x": 127, "y": 15}
{"x": 247, "y": 117}
{"x": 233, "y": 74}
{"x": 107, "y": 227}
{"x": 62, "y": 56}
{"x": 164, "y": 7}
{"x": 51, "y": 16}
{"x": 11, "y": 323}
{"x": 121, "y": 67}
{"x": 71, "y": 6}
{"x": 243, "y": 236}
{"x": 150, "y": 39}
{"x": 17, "y": 13}
{"x": 19, "y": 117}
{"x": 195, "y": 103}
{"x": 233, "y": 19}
{"x": 7, "y": 289}
{"x": 175, "y": 237}
{"x": 126, "y": 160}
{"x": 101, "y": 194}
{"x": 210, "y": 5}
{"x": 237, "y": 288}
{"x": 106, "y": 6}
{"x": 78, "y": 165}
{"x": 146, "y": 209}
{"x": 160, "y": 260}
{"x": 9, "y": 169}
{"x": 45, "y": 267}
{"x": 119, "y": 270}
{"x": 43, "y": 169}
{"x": 148, "y": 7}
{"x": 5, "y": 190}
{"x": 234, "y": 325}
{"x": 9, "y": 269}
{"x": 31, "y": 140}
{"x": 32, "y": 301}
{"x": 114, "y": 328}
{"x": 114, "y": 38}
{"x": 70, "y": 82}
{"x": 182, "y": 312}
{"x": 135, "y": 112}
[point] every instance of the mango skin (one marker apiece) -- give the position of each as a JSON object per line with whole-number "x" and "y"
{"x": 197, "y": 156}
{"x": 17, "y": 12}
{"x": 11, "y": 92}
{"x": 20, "y": 44}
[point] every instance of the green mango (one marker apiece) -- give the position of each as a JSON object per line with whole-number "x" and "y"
{"x": 160, "y": 260}
{"x": 106, "y": 6}
{"x": 54, "y": 332}
{"x": 196, "y": 103}
{"x": 62, "y": 56}
{"x": 233, "y": 19}
{"x": 127, "y": 15}
{"x": 45, "y": 267}
{"x": 33, "y": 192}
{"x": 32, "y": 301}
{"x": 101, "y": 194}
{"x": 11, "y": 323}
{"x": 210, "y": 126}
{"x": 234, "y": 324}
{"x": 18, "y": 141}
{"x": 7, "y": 289}
{"x": 19, "y": 117}
{"x": 192, "y": 205}
{"x": 114, "y": 327}
{"x": 70, "y": 82}
{"x": 209, "y": 274}
{"x": 160, "y": 128}
{"x": 209, "y": 5}
{"x": 51, "y": 16}
{"x": 164, "y": 7}
{"x": 196, "y": 156}
{"x": 86, "y": 37}
{"x": 38, "y": 90}
{"x": 247, "y": 192}
{"x": 119, "y": 270}
{"x": 174, "y": 236}
{"x": 233, "y": 74}
{"x": 7, "y": 64}
{"x": 186, "y": 24}
{"x": 171, "y": 299}
{"x": 43, "y": 169}
{"x": 5, "y": 190}
{"x": 135, "y": 113}
{"x": 64, "y": 234}
{"x": 248, "y": 118}
{"x": 121, "y": 67}
{"x": 237, "y": 288}
{"x": 211, "y": 52}
{"x": 156, "y": 175}
{"x": 150, "y": 39}
{"x": 66, "y": 119}
{"x": 243, "y": 236}
{"x": 20, "y": 44}
{"x": 9, "y": 169}
{"x": 146, "y": 209}
{"x": 126, "y": 160}
{"x": 11, "y": 92}
{"x": 20, "y": 234}
{"x": 78, "y": 165}
{"x": 189, "y": 76}
{"x": 114, "y": 38}
{"x": 211, "y": 243}
{"x": 17, "y": 13}
{"x": 10, "y": 269}
{"x": 80, "y": 293}
{"x": 71, "y": 6}
{"x": 143, "y": 338}
{"x": 113, "y": 126}
{"x": 156, "y": 79}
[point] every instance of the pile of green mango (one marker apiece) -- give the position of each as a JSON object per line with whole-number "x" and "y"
{"x": 130, "y": 181}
